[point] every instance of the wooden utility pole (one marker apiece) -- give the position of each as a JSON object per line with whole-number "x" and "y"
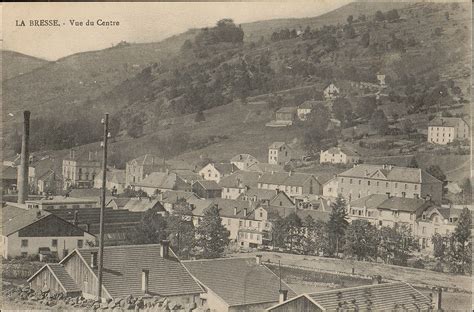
{"x": 105, "y": 121}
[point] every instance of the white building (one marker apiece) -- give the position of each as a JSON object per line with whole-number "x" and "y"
{"x": 27, "y": 232}
{"x": 337, "y": 155}
{"x": 216, "y": 171}
{"x": 244, "y": 161}
{"x": 331, "y": 92}
{"x": 444, "y": 130}
{"x": 279, "y": 153}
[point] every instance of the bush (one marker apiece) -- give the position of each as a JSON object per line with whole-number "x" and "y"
{"x": 418, "y": 264}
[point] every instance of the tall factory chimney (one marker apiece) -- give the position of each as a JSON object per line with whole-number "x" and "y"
{"x": 25, "y": 158}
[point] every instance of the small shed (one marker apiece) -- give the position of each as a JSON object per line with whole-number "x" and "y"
{"x": 53, "y": 277}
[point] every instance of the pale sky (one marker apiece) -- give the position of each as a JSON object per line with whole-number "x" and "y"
{"x": 139, "y": 22}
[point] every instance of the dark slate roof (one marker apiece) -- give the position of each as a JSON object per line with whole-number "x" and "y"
{"x": 14, "y": 219}
{"x": 174, "y": 196}
{"x": 209, "y": 185}
{"x": 9, "y": 173}
{"x": 285, "y": 178}
{"x": 247, "y": 178}
{"x": 159, "y": 180}
{"x": 393, "y": 173}
{"x": 380, "y": 297}
{"x": 277, "y": 144}
{"x": 123, "y": 267}
{"x": 260, "y": 194}
{"x": 121, "y": 201}
{"x": 238, "y": 281}
{"x": 143, "y": 204}
{"x": 264, "y": 167}
{"x": 337, "y": 150}
{"x": 148, "y": 159}
{"x": 403, "y": 204}
{"x": 370, "y": 202}
{"x": 446, "y": 121}
{"x": 225, "y": 168}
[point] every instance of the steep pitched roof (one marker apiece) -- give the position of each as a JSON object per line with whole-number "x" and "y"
{"x": 238, "y": 281}
{"x": 121, "y": 201}
{"x": 403, "y": 204}
{"x": 226, "y": 208}
{"x": 9, "y": 173}
{"x": 380, "y": 297}
{"x": 370, "y": 202}
{"x": 246, "y": 178}
{"x": 445, "y": 121}
{"x": 243, "y": 158}
{"x": 277, "y": 144}
{"x": 209, "y": 185}
{"x": 393, "y": 173}
{"x": 260, "y": 194}
{"x": 123, "y": 267}
{"x": 225, "y": 168}
{"x": 285, "y": 178}
{"x": 143, "y": 204}
{"x": 14, "y": 219}
{"x": 264, "y": 167}
{"x": 159, "y": 180}
{"x": 337, "y": 150}
{"x": 148, "y": 159}
{"x": 187, "y": 175}
{"x": 61, "y": 275}
{"x": 173, "y": 196}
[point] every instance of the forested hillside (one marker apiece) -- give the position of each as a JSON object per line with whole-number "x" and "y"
{"x": 421, "y": 48}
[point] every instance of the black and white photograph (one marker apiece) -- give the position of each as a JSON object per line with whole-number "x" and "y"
{"x": 260, "y": 156}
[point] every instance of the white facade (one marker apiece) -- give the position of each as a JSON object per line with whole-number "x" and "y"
{"x": 14, "y": 246}
{"x": 331, "y": 92}
{"x": 330, "y": 188}
{"x": 232, "y": 192}
{"x": 279, "y": 155}
{"x": 210, "y": 173}
{"x": 337, "y": 156}
{"x": 444, "y": 130}
{"x": 441, "y": 135}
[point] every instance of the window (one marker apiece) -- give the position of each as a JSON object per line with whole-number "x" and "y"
{"x": 386, "y": 184}
{"x": 377, "y": 183}
{"x": 360, "y": 182}
{"x": 24, "y": 243}
{"x": 350, "y": 181}
{"x": 80, "y": 243}
{"x": 396, "y": 185}
{"x": 423, "y": 230}
{"x": 416, "y": 186}
{"x": 250, "y": 223}
{"x": 406, "y": 186}
{"x": 54, "y": 243}
{"x": 368, "y": 182}
{"x": 240, "y": 223}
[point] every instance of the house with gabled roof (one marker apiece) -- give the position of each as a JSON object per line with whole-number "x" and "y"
{"x": 115, "y": 180}
{"x": 243, "y": 161}
{"x": 27, "y": 231}
{"x": 265, "y": 167}
{"x": 331, "y": 92}
{"x": 379, "y": 297}
{"x": 444, "y": 130}
{"x": 339, "y": 155}
{"x": 135, "y": 270}
{"x": 160, "y": 182}
{"x": 237, "y": 284}
{"x": 305, "y": 108}
{"x": 217, "y": 171}
{"x": 237, "y": 183}
{"x": 364, "y": 179}
{"x": 80, "y": 169}
{"x": 137, "y": 169}
{"x": 292, "y": 183}
{"x": 207, "y": 189}
{"x": 169, "y": 199}
{"x": 279, "y": 153}
{"x": 258, "y": 195}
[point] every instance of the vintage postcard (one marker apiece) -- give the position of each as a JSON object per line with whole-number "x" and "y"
{"x": 236, "y": 156}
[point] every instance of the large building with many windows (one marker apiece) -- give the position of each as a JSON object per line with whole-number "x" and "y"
{"x": 444, "y": 130}
{"x": 363, "y": 180}
{"x": 80, "y": 169}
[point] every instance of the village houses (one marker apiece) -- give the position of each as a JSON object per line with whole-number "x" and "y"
{"x": 139, "y": 168}
{"x": 161, "y": 181}
{"x": 363, "y": 180}
{"x": 115, "y": 180}
{"x": 279, "y": 153}
{"x": 292, "y": 183}
{"x": 330, "y": 188}
{"x": 237, "y": 183}
{"x": 243, "y": 161}
{"x": 79, "y": 171}
{"x": 286, "y": 115}
{"x": 305, "y": 108}
{"x": 207, "y": 189}
{"x": 444, "y": 130}
{"x": 136, "y": 270}
{"x": 217, "y": 171}
{"x": 32, "y": 231}
{"x": 339, "y": 155}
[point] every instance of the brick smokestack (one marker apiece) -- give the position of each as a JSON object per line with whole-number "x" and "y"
{"x": 25, "y": 157}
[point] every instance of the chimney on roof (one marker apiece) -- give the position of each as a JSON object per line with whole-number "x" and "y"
{"x": 376, "y": 279}
{"x": 90, "y": 155}
{"x": 145, "y": 280}
{"x": 94, "y": 259}
{"x": 239, "y": 183}
{"x": 160, "y": 196}
{"x": 240, "y": 156}
{"x": 258, "y": 258}
{"x": 24, "y": 160}
{"x": 436, "y": 297}
{"x": 235, "y": 211}
{"x": 76, "y": 217}
{"x": 245, "y": 212}
{"x": 165, "y": 248}
{"x": 289, "y": 173}
{"x": 283, "y": 295}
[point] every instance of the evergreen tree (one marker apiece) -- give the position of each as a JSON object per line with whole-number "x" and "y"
{"x": 279, "y": 232}
{"x": 361, "y": 240}
{"x": 212, "y": 236}
{"x": 337, "y": 225}
{"x": 379, "y": 121}
{"x": 181, "y": 231}
{"x": 460, "y": 252}
{"x": 293, "y": 226}
{"x": 150, "y": 230}
{"x": 467, "y": 192}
